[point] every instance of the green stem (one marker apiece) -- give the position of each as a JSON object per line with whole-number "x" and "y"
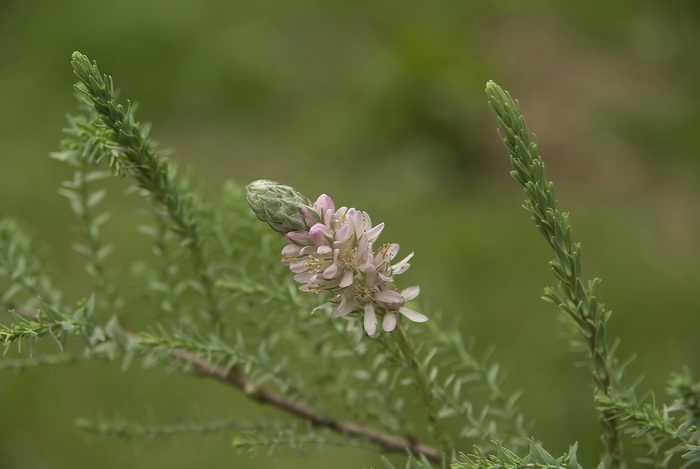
{"x": 421, "y": 379}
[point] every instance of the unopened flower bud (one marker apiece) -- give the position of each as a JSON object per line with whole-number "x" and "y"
{"x": 280, "y": 206}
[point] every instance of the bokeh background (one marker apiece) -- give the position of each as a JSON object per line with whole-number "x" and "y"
{"x": 381, "y": 105}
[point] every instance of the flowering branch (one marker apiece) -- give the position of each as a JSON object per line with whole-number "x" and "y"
{"x": 331, "y": 252}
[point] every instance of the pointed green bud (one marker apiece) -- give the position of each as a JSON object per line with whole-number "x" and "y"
{"x": 280, "y": 206}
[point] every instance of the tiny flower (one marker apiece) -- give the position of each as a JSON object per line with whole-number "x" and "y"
{"x": 331, "y": 252}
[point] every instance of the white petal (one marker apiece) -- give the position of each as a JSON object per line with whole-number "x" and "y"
{"x": 389, "y": 321}
{"x": 373, "y": 234}
{"x": 343, "y": 233}
{"x": 388, "y": 296}
{"x": 370, "y": 276}
{"x": 414, "y": 316}
{"x": 370, "y": 319}
{"x": 299, "y": 267}
{"x": 297, "y": 237}
{"x": 410, "y": 293}
{"x": 324, "y": 250}
{"x": 330, "y": 271}
{"x": 347, "y": 279}
{"x": 343, "y": 308}
{"x": 401, "y": 266}
{"x": 323, "y": 203}
{"x": 290, "y": 250}
{"x": 392, "y": 251}
{"x": 318, "y": 233}
{"x": 303, "y": 277}
{"x": 324, "y": 305}
{"x": 385, "y": 277}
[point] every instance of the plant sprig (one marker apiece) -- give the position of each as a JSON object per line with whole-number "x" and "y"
{"x": 153, "y": 172}
{"x": 575, "y": 297}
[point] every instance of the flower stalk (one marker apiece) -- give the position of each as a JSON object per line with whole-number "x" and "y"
{"x": 420, "y": 378}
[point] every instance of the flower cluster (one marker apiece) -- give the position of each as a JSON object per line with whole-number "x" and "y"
{"x": 333, "y": 253}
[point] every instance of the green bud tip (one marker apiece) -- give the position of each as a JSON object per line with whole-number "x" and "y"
{"x": 282, "y": 207}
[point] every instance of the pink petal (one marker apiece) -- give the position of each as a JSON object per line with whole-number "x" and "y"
{"x": 297, "y": 235}
{"x": 324, "y": 250}
{"x": 299, "y": 267}
{"x": 347, "y": 279}
{"x": 331, "y": 271}
{"x": 388, "y": 296}
{"x": 392, "y": 251}
{"x": 343, "y": 308}
{"x": 343, "y": 233}
{"x": 370, "y": 275}
{"x": 303, "y": 277}
{"x": 306, "y": 250}
{"x": 324, "y": 305}
{"x": 389, "y": 321}
{"x": 373, "y": 234}
{"x": 410, "y": 293}
{"x": 323, "y": 203}
{"x": 298, "y": 238}
{"x": 317, "y": 234}
{"x": 290, "y": 250}
{"x": 385, "y": 277}
{"x": 414, "y": 316}
{"x": 370, "y": 320}
{"x": 310, "y": 216}
{"x": 401, "y": 266}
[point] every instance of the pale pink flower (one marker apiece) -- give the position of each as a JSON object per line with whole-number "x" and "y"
{"x": 335, "y": 256}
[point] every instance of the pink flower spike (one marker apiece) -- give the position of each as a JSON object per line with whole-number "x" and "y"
{"x": 331, "y": 252}
{"x": 388, "y": 296}
{"x": 389, "y": 321}
{"x": 414, "y": 316}
{"x": 410, "y": 293}
{"x": 373, "y": 234}
{"x": 370, "y": 320}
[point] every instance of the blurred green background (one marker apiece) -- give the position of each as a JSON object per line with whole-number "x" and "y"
{"x": 381, "y": 105}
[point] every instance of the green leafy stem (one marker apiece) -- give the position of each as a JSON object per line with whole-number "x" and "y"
{"x": 572, "y": 295}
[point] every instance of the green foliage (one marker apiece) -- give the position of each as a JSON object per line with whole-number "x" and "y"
{"x": 669, "y": 437}
{"x": 572, "y": 295}
{"x": 225, "y": 308}
{"x": 537, "y": 458}
{"x": 152, "y": 172}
